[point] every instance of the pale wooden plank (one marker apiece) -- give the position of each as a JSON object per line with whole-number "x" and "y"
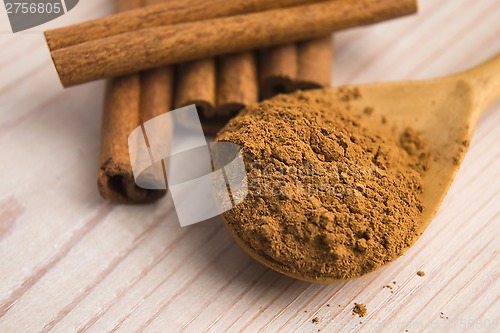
{"x": 81, "y": 265}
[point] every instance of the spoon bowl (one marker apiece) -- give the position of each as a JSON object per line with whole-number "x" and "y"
{"x": 443, "y": 112}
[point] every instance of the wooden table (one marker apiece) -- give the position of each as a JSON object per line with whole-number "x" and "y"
{"x": 70, "y": 261}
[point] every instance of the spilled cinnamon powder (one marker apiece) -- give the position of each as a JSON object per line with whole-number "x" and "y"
{"x": 328, "y": 197}
{"x": 359, "y": 309}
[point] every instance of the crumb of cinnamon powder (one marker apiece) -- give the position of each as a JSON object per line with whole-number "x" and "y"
{"x": 359, "y": 309}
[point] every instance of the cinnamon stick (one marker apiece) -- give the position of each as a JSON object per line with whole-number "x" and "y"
{"x": 287, "y": 68}
{"x": 135, "y": 99}
{"x": 153, "y": 47}
{"x": 236, "y": 87}
{"x": 278, "y": 70}
{"x": 160, "y": 13}
{"x": 237, "y": 83}
{"x": 314, "y": 63}
{"x": 129, "y": 101}
{"x": 284, "y": 69}
{"x": 196, "y": 85}
{"x": 156, "y": 92}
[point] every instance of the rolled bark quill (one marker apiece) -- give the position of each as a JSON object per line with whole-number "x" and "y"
{"x": 287, "y": 68}
{"x": 278, "y": 70}
{"x": 158, "y": 13}
{"x": 153, "y": 47}
{"x": 196, "y": 79}
{"x": 283, "y": 69}
{"x": 237, "y": 83}
{"x": 196, "y": 85}
{"x": 236, "y": 87}
{"x": 129, "y": 101}
{"x": 315, "y": 59}
{"x": 134, "y": 99}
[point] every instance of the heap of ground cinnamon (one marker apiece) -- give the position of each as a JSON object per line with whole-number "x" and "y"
{"x": 328, "y": 197}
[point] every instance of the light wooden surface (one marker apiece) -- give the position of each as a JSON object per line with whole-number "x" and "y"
{"x": 71, "y": 262}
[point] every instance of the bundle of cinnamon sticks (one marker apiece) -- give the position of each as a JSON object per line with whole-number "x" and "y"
{"x": 220, "y": 55}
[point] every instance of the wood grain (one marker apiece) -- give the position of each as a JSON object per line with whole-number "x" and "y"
{"x": 71, "y": 262}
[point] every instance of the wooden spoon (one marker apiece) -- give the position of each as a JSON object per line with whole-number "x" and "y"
{"x": 444, "y": 112}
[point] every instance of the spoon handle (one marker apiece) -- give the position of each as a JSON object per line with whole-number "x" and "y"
{"x": 485, "y": 81}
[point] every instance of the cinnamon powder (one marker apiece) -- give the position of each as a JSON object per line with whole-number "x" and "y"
{"x": 359, "y": 309}
{"x": 328, "y": 197}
